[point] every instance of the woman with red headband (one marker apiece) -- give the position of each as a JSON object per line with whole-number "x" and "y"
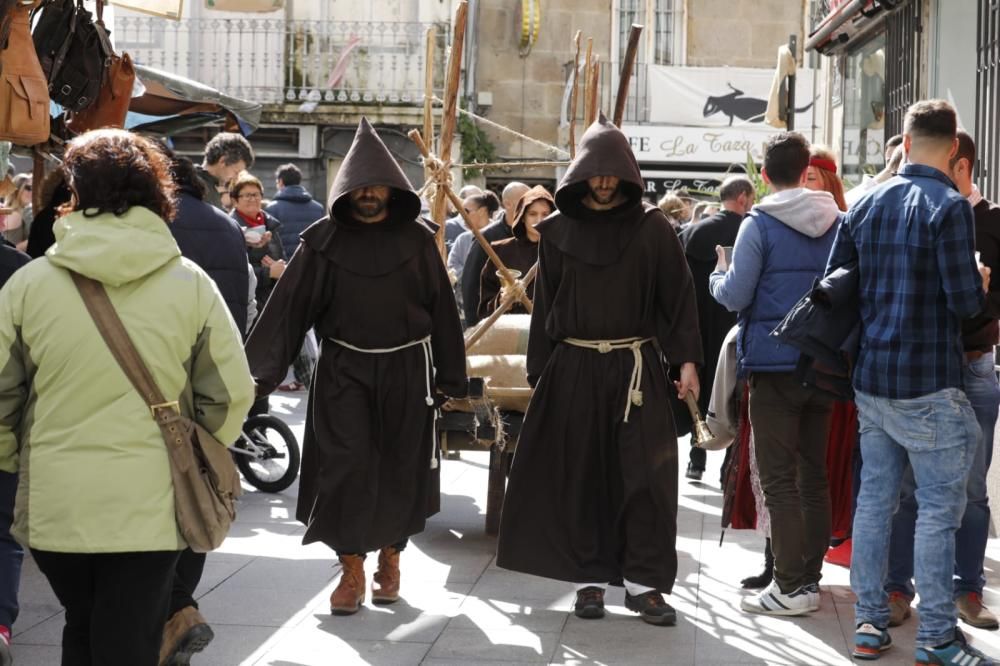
{"x": 822, "y": 175}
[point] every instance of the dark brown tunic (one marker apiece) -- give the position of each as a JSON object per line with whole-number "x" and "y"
{"x": 591, "y": 498}
{"x": 366, "y": 463}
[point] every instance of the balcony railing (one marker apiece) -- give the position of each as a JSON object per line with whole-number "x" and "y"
{"x": 276, "y": 61}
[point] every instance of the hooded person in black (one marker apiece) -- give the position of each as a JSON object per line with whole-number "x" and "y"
{"x": 370, "y": 280}
{"x": 519, "y": 253}
{"x": 592, "y": 496}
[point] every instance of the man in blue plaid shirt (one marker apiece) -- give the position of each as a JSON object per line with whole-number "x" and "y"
{"x": 913, "y": 239}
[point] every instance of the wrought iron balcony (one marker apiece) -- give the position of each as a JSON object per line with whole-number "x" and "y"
{"x": 278, "y": 61}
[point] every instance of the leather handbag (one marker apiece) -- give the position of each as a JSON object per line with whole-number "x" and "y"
{"x": 112, "y": 102}
{"x": 24, "y": 96}
{"x": 206, "y": 482}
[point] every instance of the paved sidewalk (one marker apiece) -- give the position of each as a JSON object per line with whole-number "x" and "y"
{"x": 266, "y": 596}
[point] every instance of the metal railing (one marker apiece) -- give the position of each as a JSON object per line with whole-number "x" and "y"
{"x": 276, "y": 61}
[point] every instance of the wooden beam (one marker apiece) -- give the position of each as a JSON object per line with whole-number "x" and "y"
{"x": 573, "y": 97}
{"x": 449, "y": 119}
{"x": 631, "y": 52}
{"x": 594, "y": 102}
{"x": 586, "y": 83}
{"x": 429, "y": 85}
{"x": 502, "y": 309}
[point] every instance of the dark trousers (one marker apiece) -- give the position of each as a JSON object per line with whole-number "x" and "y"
{"x": 187, "y": 575}
{"x": 116, "y": 604}
{"x": 11, "y": 553}
{"x": 791, "y": 423}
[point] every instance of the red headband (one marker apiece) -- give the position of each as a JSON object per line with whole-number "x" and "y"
{"x": 822, "y": 163}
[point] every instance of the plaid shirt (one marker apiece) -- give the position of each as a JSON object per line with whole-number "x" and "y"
{"x": 914, "y": 241}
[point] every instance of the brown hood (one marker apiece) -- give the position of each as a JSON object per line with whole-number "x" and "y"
{"x": 368, "y": 163}
{"x": 604, "y": 151}
{"x": 537, "y": 193}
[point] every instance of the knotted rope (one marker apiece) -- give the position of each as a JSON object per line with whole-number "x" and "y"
{"x": 634, "y": 396}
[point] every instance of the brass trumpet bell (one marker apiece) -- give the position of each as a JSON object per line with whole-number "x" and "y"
{"x": 700, "y": 433}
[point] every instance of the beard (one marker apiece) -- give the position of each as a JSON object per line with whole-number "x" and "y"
{"x": 603, "y": 196}
{"x": 368, "y": 207}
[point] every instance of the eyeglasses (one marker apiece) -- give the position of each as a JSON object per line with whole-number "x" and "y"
{"x": 251, "y": 196}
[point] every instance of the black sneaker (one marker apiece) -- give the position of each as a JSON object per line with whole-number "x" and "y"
{"x": 652, "y": 608}
{"x": 589, "y": 603}
{"x": 693, "y": 473}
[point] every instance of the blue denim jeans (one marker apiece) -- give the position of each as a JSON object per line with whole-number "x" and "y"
{"x": 983, "y": 392}
{"x": 11, "y": 553}
{"x": 937, "y": 435}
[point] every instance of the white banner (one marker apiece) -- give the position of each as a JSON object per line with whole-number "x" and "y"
{"x": 721, "y": 96}
{"x": 722, "y": 146}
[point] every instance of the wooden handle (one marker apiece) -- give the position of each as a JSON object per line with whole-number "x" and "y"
{"x": 573, "y": 96}
{"x": 631, "y": 52}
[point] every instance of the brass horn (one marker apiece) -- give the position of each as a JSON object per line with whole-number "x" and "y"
{"x": 700, "y": 433}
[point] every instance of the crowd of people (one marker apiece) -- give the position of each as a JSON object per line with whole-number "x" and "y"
{"x": 633, "y": 309}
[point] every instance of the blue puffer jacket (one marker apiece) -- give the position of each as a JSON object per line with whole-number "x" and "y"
{"x": 295, "y": 208}
{"x": 782, "y": 247}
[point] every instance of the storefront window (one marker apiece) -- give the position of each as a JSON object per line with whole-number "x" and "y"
{"x": 864, "y": 111}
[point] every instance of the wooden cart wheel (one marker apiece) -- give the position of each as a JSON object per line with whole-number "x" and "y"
{"x": 495, "y": 489}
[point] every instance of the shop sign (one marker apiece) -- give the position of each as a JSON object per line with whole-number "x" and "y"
{"x": 723, "y": 145}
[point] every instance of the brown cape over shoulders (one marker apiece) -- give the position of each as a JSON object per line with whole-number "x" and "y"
{"x": 369, "y": 437}
{"x": 591, "y": 498}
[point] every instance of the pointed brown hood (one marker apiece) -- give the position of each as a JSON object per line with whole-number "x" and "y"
{"x": 597, "y": 237}
{"x": 370, "y": 249}
{"x": 537, "y": 193}
{"x": 368, "y": 163}
{"x": 604, "y": 151}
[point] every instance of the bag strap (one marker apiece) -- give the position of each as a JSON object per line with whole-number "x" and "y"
{"x": 110, "y": 325}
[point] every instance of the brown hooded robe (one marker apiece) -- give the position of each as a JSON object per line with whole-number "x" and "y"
{"x": 592, "y": 499}
{"x": 518, "y": 253}
{"x": 369, "y": 437}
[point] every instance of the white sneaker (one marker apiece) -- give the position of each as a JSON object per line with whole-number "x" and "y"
{"x": 772, "y": 601}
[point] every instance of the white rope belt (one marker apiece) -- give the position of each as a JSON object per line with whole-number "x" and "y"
{"x": 634, "y": 396}
{"x": 425, "y": 345}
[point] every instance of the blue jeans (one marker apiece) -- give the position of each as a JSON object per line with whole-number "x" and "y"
{"x": 970, "y": 540}
{"x": 937, "y": 435}
{"x": 11, "y": 553}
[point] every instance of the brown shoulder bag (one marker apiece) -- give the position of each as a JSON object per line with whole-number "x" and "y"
{"x": 206, "y": 482}
{"x": 24, "y": 92}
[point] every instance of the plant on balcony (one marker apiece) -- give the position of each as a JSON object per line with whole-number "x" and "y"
{"x": 476, "y": 146}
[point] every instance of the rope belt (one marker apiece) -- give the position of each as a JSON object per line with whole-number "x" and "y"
{"x": 605, "y": 346}
{"x": 425, "y": 346}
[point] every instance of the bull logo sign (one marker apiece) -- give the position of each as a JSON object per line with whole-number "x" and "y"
{"x": 748, "y": 109}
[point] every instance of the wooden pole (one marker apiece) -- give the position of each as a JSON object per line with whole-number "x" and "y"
{"x": 573, "y": 97}
{"x": 631, "y": 52}
{"x": 504, "y": 306}
{"x": 449, "y": 119}
{"x": 429, "y": 85}
{"x": 457, "y": 203}
{"x": 594, "y": 89}
{"x": 586, "y": 82}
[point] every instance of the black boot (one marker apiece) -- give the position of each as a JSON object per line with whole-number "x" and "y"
{"x": 764, "y": 579}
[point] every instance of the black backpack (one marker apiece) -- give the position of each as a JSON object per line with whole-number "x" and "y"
{"x": 74, "y": 51}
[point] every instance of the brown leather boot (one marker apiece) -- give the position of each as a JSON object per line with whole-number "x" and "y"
{"x": 385, "y": 582}
{"x": 185, "y": 634}
{"x": 350, "y": 593}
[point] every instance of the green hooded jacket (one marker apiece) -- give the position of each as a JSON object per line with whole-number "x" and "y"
{"x": 94, "y": 476}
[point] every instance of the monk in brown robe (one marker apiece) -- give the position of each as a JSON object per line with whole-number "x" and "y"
{"x": 370, "y": 281}
{"x": 592, "y": 496}
{"x": 518, "y": 253}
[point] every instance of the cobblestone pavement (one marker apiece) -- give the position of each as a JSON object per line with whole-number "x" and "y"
{"x": 266, "y": 596}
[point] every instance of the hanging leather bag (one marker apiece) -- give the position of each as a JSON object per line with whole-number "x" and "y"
{"x": 206, "y": 482}
{"x": 112, "y": 102}
{"x": 74, "y": 50}
{"x": 24, "y": 98}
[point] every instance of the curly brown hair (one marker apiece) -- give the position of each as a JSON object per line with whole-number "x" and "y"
{"x": 112, "y": 170}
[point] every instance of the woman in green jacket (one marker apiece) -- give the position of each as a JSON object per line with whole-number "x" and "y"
{"x": 95, "y": 500}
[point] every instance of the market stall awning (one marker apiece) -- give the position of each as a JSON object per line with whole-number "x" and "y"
{"x": 848, "y": 20}
{"x": 173, "y": 103}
